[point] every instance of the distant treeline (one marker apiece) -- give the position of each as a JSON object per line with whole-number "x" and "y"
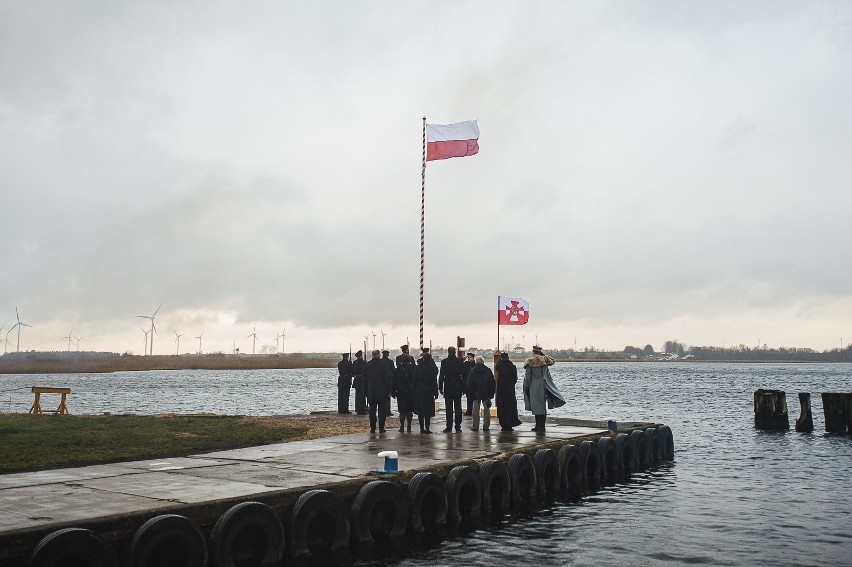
{"x": 98, "y": 362}
{"x": 674, "y": 350}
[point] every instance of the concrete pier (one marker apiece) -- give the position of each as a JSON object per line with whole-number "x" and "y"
{"x": 113, "y": 500}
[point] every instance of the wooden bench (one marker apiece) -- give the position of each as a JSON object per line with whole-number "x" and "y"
{"x": 38, "y": 391}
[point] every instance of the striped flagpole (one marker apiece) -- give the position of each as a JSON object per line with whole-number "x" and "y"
{"x": 422, "y": 227}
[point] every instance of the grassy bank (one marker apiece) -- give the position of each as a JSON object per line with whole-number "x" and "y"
{"x": 37, "y": 442}
{"x": 35, "y": 364}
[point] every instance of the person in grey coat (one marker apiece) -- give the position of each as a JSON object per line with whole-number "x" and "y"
{"x": 540, "y": 393}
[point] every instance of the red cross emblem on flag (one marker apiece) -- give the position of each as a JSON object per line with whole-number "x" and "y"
{"x": 513, "y": 311}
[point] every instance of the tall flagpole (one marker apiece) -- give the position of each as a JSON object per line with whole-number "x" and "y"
{"x": 422, "y": 227}
{"x": 498, "y": 322}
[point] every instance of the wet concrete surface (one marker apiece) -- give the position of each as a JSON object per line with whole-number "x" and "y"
{"x": 39, "y": 502}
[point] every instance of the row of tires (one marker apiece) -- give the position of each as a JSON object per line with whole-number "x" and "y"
{"x": 320, "y": 525}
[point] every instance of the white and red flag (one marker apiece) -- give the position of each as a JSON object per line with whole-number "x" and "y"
{"x": 513, "y": 311}
{"x": 452, "y": 140}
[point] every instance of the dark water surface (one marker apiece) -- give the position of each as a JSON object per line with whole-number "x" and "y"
{"x": 732, "y": 496}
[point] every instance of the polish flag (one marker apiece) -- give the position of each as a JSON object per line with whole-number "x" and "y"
{"x": 513, "y": 311}
{"x": 452, "y": 140}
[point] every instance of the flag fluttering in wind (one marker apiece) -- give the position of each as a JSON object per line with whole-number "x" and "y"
{"x": 452, "y": 140}
{"x": 513, "y": 311}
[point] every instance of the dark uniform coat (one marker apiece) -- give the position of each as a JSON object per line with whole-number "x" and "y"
{"x": 425, "y": 386}
{"x": 344, "y": 371}
{"x": 480, "y": 383}
{"x": 451, "y": 381}
{"x": 378, "y": 380}
{"x": 358, "y": 373}
{"x": 402, "y": 387}
{"x": 505, "y": 399}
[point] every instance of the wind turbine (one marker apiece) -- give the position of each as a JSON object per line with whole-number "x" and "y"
{"x": 366, "y": 342}
{"x": 78, "y": 339}
{"x": 283, "y": 338}
{"x": 153, "y": 328}
{"x": 145, "y": 350}
{"x": 69, "y": 339}
{"x": 374, "y": 338}
{"x": 19, "y": 324}
{"x": 383, "y": 338}
{"x": 177, "y": 341}
{"x": 199, "y": 341}
{"x": 6, "y": 339}
{"x": 254, "y": 341}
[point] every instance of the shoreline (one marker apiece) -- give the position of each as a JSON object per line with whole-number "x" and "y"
{"x": 133, "y": 363}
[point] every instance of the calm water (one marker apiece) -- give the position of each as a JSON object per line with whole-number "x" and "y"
{"x": 732, "y": 496}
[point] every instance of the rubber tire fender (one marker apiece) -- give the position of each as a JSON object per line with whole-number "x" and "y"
{"x": 494, "y": 474}
{"x": 548, "y": 484}
{"x": 665, "y": 433}
{"x": 369, "y": 512}
{"x": 248, "y": 533}
{"x": 641, "y": 451}
{"x": 426, "y": 487}
{"x": 523, "y": 481}
{"x": 610, "y": 466}
{"x": 80, "y": 545}
{"x": 655, "y": 445}
{"x": 572, "y": 479}
{"x": 463, "y": 481}
{"x": 591, "y": 459}
{"x": 311, "y": 507}
{"x": 162, "y": 539}
{"x": 624, "y": 446}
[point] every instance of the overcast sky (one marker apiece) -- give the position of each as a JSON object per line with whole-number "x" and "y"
{"x": 647, "y": 171}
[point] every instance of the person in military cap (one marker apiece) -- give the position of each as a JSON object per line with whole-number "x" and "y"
{"x": 404, "y": 349}
{"x": 359, "y": 384}
{"x": 344, "y": 383}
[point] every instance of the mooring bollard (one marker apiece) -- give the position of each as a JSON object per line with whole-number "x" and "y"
{"x": 836, "y": 408}
{"x": 770, "y": 409}
{"x": 806, "y": 420}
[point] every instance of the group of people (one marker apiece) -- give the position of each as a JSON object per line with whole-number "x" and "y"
{"x": 416, "y": 386}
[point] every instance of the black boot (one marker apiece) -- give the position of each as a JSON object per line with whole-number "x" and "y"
{"x": 426, "y": 419}
{"x": 539, "y": 423}
{"x": 420, "y": 421}
{"x": 408, "y": 418}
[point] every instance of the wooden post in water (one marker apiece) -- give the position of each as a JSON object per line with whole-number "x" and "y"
{"x": 837, "y": 411}
{"x": 770, "y": 409}
{"x": 806, "y": 420}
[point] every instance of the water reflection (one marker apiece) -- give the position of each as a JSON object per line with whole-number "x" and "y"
{"x": 733, "y": 496}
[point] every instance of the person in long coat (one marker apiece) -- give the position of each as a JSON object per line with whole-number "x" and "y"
{"x": 451, "y": 384}
{"x": 504, "y": 397}
{"x": 480, "y": 388}
{"x": 358, "y": 384}
{"x": 402, "y": 388}
{"x": 468, "y": 364}
{"x": 540, "y": 393}
{"x": 378, "y": 380}
{"x": 344, "y": 383}
{"x": 425, "y": 390}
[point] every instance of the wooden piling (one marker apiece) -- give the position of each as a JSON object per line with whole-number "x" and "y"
{"x": 836, "y": 407}
{"x": 805, "y": 421}
{"x": 770, "y": 409}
